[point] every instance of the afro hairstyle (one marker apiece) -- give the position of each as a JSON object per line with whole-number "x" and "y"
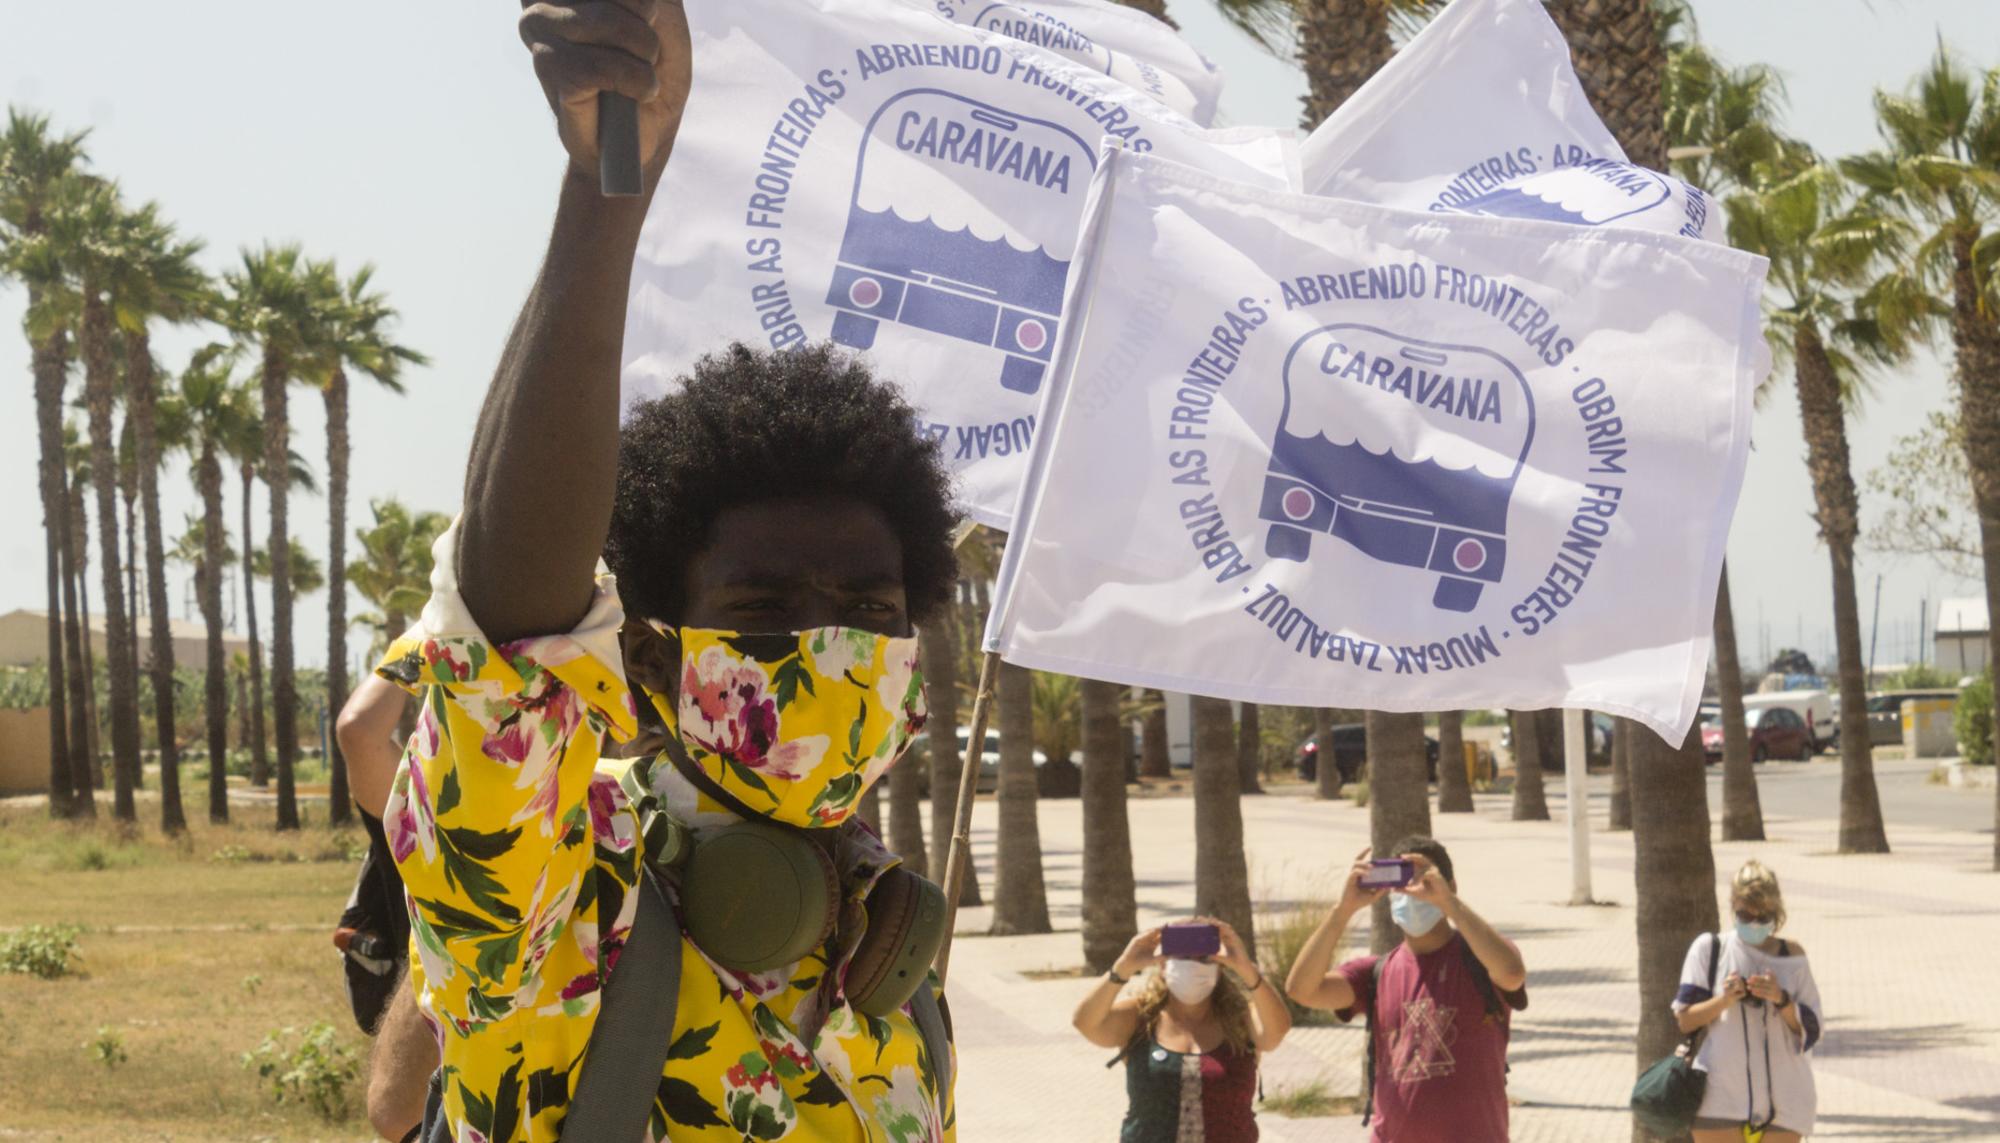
{"x": 751, "y": 425}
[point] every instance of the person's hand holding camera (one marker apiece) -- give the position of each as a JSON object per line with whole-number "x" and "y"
{"x": 1734, "y": 990}
{"x": 1764, "y": 987}
{"x": 1141, "y": 953}
{"x": 1430, "y": 886}
{"x": 1354, "y": 896}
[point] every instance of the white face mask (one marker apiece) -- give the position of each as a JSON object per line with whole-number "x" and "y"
{"x": 1191, "y": 981}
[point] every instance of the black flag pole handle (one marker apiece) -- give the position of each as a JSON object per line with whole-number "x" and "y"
{"x": 617, "y": 145}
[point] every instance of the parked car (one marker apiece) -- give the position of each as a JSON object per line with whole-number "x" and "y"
{"x": 989, "y": 761}
{"x": 1350, "y": 753}
{"x": 1885, "y": 713}
{"x": 1814, "y": 708}
{"x": 1775, "y": 732}
{"x": 1597, "y": 752}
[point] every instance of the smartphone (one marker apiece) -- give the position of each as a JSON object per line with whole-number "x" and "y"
{"x": 1389, "y": 873}
{"x": 1190, "y": 940}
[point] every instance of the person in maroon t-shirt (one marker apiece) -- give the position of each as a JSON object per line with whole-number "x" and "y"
{"x": 1439, "y": 1003}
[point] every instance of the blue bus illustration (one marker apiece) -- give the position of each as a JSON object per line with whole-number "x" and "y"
{"x": 1597, "y": 192}
{"x": 962, "y": 224}
{"x": 1406, "y": 450}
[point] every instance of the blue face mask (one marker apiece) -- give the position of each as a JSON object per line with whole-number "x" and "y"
{"x": 1757, "y": 934}
{"x": 1413, "y": 916}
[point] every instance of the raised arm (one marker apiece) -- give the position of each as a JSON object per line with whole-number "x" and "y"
{"x": 1500, "y": 957}
{"x": 539, "y": 483}
{"x": 1312, "y": 981}
{"x": 1102, "y": 1018}
{"x": 1270, "y": 1020}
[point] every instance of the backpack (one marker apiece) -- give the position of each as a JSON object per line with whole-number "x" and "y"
{"x": 1495, "y": 1007}
{"x": 373, "y": 933}
{"x": 1668, "y": 1094}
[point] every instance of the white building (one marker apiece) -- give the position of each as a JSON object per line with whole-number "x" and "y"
{"x": 1961, "y": 639}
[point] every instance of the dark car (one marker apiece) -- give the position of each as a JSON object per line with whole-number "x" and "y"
{"x": 1350, "y": 753}
{"x": 1775, "y": 732}
{"x": 1885, "y": 713}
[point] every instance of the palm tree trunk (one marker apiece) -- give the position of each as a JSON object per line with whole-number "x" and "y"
{"x": 1531, "y": 803}
{"x": 1110, "y": 902}
{"x": 1155, "y": 761}
{"x": 340, "y": 803}
{"x": 1839, "y": 519}
{"x": 82, "y": 761}
{"x": 1341, "y": 44}
{"x": 260, "y": 758}
{"x": 868, "y": 808}
{"x": 64, "y": 798}
{"x": 100, "y": 389}
{"x": 277, "y": 476}
{"x": 1221, "y": 873}
{"x": 1020, "y": 898}
{"x": 1326, "y": 774}
{"x": 1622, "y": 732}
{"x": 86, "y": 683}
{"x": 1616, "y": 47}
{"x": 1157, "y": 9}
{"x": 1742, "y": 811}
{"x": 1249, "y": 749}
{"x": 1399, "y": 802}
{"x": 1674, "y": 871}
{"x": 940, "y": 662}
{"x": 1975, "y": 336}
{"x": 135, "y": 603}
{"x": 215, "y": 690}
{"x": 906, "y": 810}
{"x": 1454, "y": 785}
{"x": 141, "y": 400}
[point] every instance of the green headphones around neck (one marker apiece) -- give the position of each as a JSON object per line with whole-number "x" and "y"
{"x": 757, "y": 896}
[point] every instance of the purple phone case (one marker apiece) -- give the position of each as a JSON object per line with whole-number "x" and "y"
{"x": 1389, "y": 873}
{"x": 1190, "y": 941}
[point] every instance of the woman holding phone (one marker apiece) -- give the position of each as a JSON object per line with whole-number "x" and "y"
{"x": 1753, "y": 991}
{"x": 1188, "y": 1033}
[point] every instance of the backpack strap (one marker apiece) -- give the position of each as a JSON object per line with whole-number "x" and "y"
{"x": 627, "y": 1053}
{"x": 1368, "y": 1057}
{"x": 1693, "y": 1041}
{"x": 937, "y": 1038}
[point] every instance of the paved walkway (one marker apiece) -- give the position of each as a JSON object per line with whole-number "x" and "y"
{"x": 1902, "y": 945}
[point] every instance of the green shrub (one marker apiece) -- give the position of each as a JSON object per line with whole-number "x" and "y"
{"x": 40, "y": 950}
{"x": 1973, "y": 720}
{"x": 1358, "y": 793}
{"x": 107, "y": 1049}
{"x": 1919, "y": 677}
{"x": 317, "y": 1070}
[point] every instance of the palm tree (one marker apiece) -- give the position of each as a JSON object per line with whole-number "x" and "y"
{"x": 246, "y": 447}
{"x": 394, "y": 574}
{"x": 1819, "y": 262}
{"x": 1056, "y": 707}
{"x": 1454, "y": 784}
{"x": 1249, "y": 749}
{"x": 1618, "y": 55}
{"x": 1221, "y": 874}
{"x": 1531, "y": 802}
{"x": 1020, "y": 899}
{"x": 87, "y": 229}
{"x": 1326, "y": 775}
{"x": 76, "y": 625}
{"x": 357, "y": 336}
{"x": 1935, "y": 179}
{"x": 1341, "y": 44}
{"x": 33, "y": 163}
{"x": 1622, "y": 730}
{"x": 219, "y": 410}
{"x": 1721, "y": 131}
{"x": 155, "y": 277}
{"x": 1155, "y": 760}
{"x": 1398, "y": 796}
{"x": 1157, "y": 9}
{"x": 278, "y": 300}
{"x": 1110, "y": 901}
{"x": 938, "y": 652}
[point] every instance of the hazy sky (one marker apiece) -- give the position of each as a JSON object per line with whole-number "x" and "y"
{"x": 414, "y": 136}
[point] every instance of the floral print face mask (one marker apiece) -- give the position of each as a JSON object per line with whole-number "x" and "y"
{"x": 796, "y": 726}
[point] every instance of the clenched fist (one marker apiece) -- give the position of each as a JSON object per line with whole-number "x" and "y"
{"x": 635, "y": 48}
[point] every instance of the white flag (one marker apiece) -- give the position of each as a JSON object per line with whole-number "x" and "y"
{"x": 1123, "y": 43}
{"x": 906, "y": 186}
{"x": 1482, "y": 113}
{"x": 1319, "y": 453}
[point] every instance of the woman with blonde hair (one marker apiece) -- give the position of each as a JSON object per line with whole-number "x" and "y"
{"x": 1188, "y": 1034}
{"x": 1753, "y": 994}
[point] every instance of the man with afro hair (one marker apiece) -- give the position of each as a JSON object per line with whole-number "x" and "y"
{"x": 774, "y": 529}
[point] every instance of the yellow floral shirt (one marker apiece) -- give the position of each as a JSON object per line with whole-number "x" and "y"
{"x": 520, "y": 850}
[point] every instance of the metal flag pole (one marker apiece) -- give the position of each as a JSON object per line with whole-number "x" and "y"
{"x": 1576, "y": 746}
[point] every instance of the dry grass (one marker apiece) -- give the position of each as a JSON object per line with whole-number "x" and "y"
{"x": 1304, "y": 1101}
{"x": 170, "y": 936}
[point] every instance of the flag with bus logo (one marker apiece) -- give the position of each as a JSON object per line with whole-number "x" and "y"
{"x": 1123, "y": 43}
{"x": 1482, "y": 113}
{"x": 905, "y": 186}
{"x": 1313, "y": 452}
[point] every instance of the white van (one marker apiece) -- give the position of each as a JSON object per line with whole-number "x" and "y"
{"x": 1815, "y": 707}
